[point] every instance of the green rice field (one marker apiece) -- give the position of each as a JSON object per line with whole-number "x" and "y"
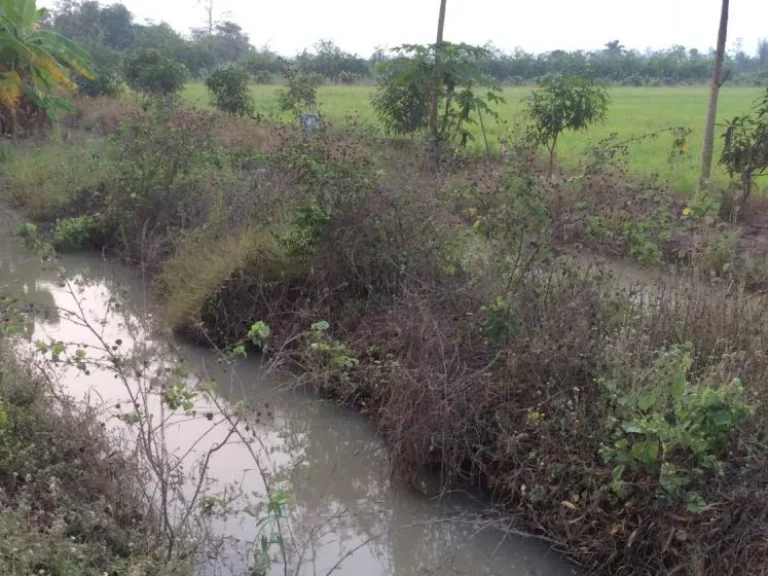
{"x": 633, "y": 112}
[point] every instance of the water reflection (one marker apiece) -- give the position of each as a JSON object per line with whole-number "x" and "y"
{"x": 329, "y": 460}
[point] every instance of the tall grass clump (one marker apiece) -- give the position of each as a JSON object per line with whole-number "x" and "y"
{"x": 53, "y": 179}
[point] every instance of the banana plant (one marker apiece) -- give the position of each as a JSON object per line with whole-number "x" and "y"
{"x": 35, "y": 65}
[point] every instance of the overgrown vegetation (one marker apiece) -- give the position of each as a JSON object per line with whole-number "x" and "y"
{"x": 624, "y": 425}
{"x": 72, "y": 503}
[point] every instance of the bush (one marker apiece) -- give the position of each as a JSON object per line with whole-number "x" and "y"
{"x": 107, "y": 83}
{"x": 671, "y": 432}
{"x": 228, "y": 88}
{"x": 108, "y": 80}
{"x": 75, "y": 233}
{"x": 166, "y": 166}
{"x": 149, "y": 72}
{"x": 300, "y": 95}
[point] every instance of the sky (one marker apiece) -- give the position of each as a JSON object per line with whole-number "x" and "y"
{"x": 288, "y": 26}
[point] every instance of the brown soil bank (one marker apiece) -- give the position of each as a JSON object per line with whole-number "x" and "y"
{"x": 627, "y": 428}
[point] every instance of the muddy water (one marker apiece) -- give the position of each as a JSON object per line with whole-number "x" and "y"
{"x": 328, "y": 460}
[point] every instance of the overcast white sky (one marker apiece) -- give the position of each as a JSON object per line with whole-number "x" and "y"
{"x": 535, "y": 25}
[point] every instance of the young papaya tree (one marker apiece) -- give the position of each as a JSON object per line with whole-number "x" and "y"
{"x": 406, "y": 86}
{"x": 35, "y": 67}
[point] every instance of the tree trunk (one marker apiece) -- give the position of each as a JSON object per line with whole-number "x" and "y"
{"x": 709, "y": 129}
{"x": 746, "y": 192}
{"x": 433, "y": 96}
{"x": 551, "y": 167}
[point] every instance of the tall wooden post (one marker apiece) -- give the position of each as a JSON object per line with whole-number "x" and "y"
{"x": 707, "y": 150}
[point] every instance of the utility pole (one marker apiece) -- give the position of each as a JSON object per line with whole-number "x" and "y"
{"x": 707, "y": 150}
{"x": 437, "y": 79}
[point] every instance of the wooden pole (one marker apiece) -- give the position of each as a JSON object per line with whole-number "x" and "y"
{"x": 433, "y": 132}
{"x": 707, "y": 150}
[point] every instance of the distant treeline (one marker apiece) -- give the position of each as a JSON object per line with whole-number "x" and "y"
{"x": 111, "y": 31}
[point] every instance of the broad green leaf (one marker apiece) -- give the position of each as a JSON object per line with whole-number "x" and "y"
{"x": 678, "y": 385}
{"x": 646, "y": 401}
{"x": 646, "y": 452}
{"x": 722, "y": 417}
{"x": 239, "y": 351}
{"x": 652, "y": 450}
{"x": 694, "y": 502}
{"x": 631, "y": 427}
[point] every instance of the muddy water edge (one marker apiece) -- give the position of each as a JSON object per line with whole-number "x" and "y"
{"x": 347, "y": 512}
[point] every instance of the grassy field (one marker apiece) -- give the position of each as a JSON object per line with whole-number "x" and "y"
{"x": 633, "y": 112}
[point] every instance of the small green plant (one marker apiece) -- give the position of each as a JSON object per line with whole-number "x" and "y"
{"x": 258, "y": 334}
{"x": 334, "y": 355}
{"x": 563, "y": 103}
{"x": 514, "y": 219}
{"x": 642, "y": 245}
{"x": 229, "y": 91}
{"x": 501, "y": 320}
{"x": 596, "y": 227}
{"x": 671, "y": 429}
{"x": 269, "y": 531}
{"x": 149, "y": 72}
{"x": 720, "y": 252}
{"x": 179, "y": 397}
{"x": 74, "y": 233}
{"x": 305, "y": 231}
{"x": 30, "y": 235}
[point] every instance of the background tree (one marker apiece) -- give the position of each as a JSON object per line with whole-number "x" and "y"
{"x": 762, "y": 54}
{"x": 149, "y": 72}
{"x": 564, "y": 103}
{"x": 111, "y": 28}
{"x": 262, "y": 65}
{"x": 707, "y": 150}
{"x": 35, "y": 66}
